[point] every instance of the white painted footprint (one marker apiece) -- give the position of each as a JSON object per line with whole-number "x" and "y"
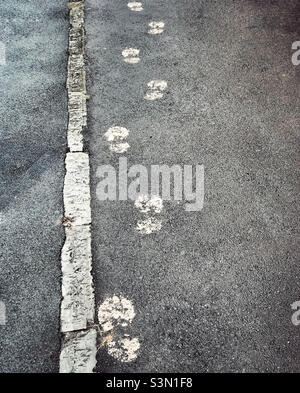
{"x": 116, "y": 136}
{"x": 131, "y": 55}
{"x": 113, "y": 312}
{"x": 155, "y": 90}
{"x": 150, "y": 207}
{"x": 156, "y": 27}
{"x": 135, "y": 6}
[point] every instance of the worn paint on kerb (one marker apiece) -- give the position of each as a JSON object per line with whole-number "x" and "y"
{"x": 155, "y": 90}
{"x": 79, "y": 340}
{"x": 77, "y": 307}
{"x": 2, "y": 53}
{"x": 156, "y": 27}
{"x": 77, "y": 189}
{"x": 77, "y": 120}
{"x": 131, "y": 55}
{"x": 135, "y": 6}
{"x": 2, "y": 313}
{"x": 78, "y": 354}
{"x": 76, "y": 79}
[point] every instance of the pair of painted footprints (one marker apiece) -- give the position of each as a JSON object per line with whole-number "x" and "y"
{"x": 115, "y": 315}
{"x": 154, "y": 27}
{"x": 132, "y": 56}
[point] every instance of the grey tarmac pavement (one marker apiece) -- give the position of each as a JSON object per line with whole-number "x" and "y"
{"x": 33, "y": 112}
{"x": 213, "y": 289}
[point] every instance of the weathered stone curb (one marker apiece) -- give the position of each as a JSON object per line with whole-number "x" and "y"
{"x": 76, "y": 78}
{"x": 77, "y": 189}
{"x": 78, "y": 352}
{"x": 77, "y": 308}
{"x": 79, "y": 340}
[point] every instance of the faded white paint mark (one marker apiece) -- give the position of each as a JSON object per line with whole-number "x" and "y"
{"x": 77, "y": 120}
{"x": 132, "y": 60}
{"x": 149, "y": 225}
{"x": 135, "y": 6}
{"x": 2, "y": 218}
{"x": 119, "y": 148}
{"x": 125, "y": 350}
{"x": 76, "y": 74}
{"x": 148, "y": 204}
{"x": 156, "y": 27}
{"x": 2, "y": 313}
{"x": 155, "y": 89}
{"x": 78, "y": 354}
{"x": 116, "y": 136}
{"x": 2, "y": 53}
{"x": 131, "y": 55}
{"x": 115, "y": 311}
{"x": 158, "y": 84}
{"x": 76, "y": 80}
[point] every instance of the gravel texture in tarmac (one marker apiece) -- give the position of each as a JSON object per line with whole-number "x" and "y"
{"x": 212, "y": 290}
{"x": 33, "y": 112}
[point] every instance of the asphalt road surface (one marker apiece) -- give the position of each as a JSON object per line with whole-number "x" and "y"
{"x": 212, "y": 290}
{"x": 33, "y": 113}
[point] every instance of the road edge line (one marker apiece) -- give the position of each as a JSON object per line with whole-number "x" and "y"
{"x": 79, "y": 335}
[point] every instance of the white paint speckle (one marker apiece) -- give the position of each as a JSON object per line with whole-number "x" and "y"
{"x": 158, "y": 84}
{"x": 115, "y": 136}
{"x": 115, "y": 311}
{"x": 119, "y": 148}
{"x": 116, "y": 133}
{"x": 156, "y": 27}
{"x": 131, "y": 55}
{"x": 2, "y": 218}
{"x": 155, "y": 89}
{"x": 135, "y": 6}
{"x": 148, "y": 204}
{"x": 132, "y": 60}
{"x": 125, "y": 350}
{"x": 149, "y": 225}
{"x": 130, "y": 52}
